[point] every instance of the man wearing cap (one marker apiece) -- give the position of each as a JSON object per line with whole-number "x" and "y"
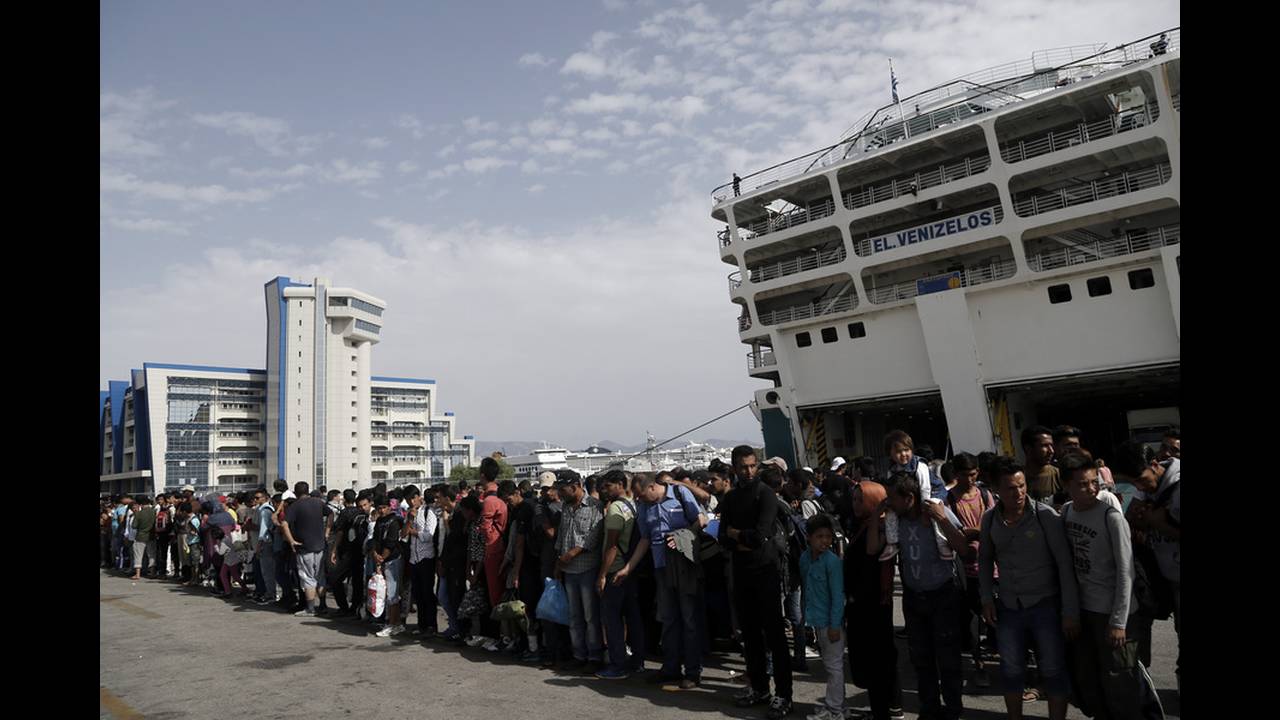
{"x": 578, "y": 543}
{"x": 837, "y": 465}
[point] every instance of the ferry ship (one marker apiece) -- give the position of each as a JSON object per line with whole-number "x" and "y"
{"x": 998, "y": 251}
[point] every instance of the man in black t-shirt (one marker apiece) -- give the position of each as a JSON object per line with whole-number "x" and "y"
{"x": 388, "y": 559}
{"x": 345, "y": 558}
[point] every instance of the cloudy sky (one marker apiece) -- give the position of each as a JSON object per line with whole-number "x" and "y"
{"x": 526, "y": 184}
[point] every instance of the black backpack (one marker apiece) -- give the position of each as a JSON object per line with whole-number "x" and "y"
{"x": 635, "y": 530}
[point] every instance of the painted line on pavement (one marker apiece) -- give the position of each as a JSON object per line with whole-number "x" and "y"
{"x": 129, "y": 607}
{"x": 117, "y": 707}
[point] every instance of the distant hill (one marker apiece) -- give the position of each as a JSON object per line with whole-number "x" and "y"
{"x": 484, "y": 448}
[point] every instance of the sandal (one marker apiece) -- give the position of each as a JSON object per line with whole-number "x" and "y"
{"x": 1030, "y": 695}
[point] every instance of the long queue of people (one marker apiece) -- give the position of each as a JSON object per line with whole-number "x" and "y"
{"x": 1018, "y": 565}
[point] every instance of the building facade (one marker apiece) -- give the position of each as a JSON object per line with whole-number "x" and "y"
{"x": 316, "y": 413}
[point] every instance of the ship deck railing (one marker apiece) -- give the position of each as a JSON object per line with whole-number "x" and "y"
{"x": 1104, "y": 249}
{"x": 757, "y": 360}
{"x": 744, "y": 323}
{"x": 799, "y": 264}
{"x": 905, "y": 185}
{"x": 785, "y": 220}
{"x": 1093, "y": 190}
{"x": 1083, "y": 133}
{"x": 843, "y": 302}
{"x": 986, "y": 89}
{"x": 969, "y": 277}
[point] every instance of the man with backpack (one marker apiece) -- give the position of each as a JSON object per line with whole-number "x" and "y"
{"x": 969, "y": 503}
{"x": 665, "y": 510}
{"x": 619, "y": 601}
{"x": 143, "y": 527}
{"x": 163, "y": 535}
{"x": 749, "y": 530}
{"x": 421, "y": 528}
{"x": 345, "y": 550}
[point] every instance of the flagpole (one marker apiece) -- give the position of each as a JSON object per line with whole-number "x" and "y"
{"x": 901, "y": 114}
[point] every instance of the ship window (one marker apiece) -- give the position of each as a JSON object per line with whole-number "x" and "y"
{"x": 803, "y": 340}
{"x": 1059, "y": 294}
{"x": 857, "y": 330}
{"x": 1139, "y": 279}
{"x": 829, "y": 335}
{"x": 1099, "y": 286}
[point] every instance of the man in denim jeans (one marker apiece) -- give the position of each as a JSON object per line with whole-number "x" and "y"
{"x": 1037, "y": 591}
{"x": 932, "y": 601}
{"x": 578, "y": 548}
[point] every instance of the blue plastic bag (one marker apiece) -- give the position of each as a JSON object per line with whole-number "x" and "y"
{"x": 553, "y": 606}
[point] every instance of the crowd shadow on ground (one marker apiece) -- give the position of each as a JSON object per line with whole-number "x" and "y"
{"x": 715, "y": 694}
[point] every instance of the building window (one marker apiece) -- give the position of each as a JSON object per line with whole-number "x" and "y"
{"x": 368, "y": 327}
{"x": 829, "y": 335}
{"x": 1099, "y": 286}
{"x": 803, "y": 340}
{"x": 299, "y": 322}
{"x": 1139, "y": 279}
{"x": 353, "y": 388}
{"x": 857, "y": 330}
{"x": 1059, "y": 294}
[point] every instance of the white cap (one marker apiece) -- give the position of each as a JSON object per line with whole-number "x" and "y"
{"x": 546, "y": 479}
{"x": 835, "y": 464}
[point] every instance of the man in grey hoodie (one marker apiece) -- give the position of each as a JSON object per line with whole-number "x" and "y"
{"x": 1104, "y": 660}
{"x": 1036, "y": 591}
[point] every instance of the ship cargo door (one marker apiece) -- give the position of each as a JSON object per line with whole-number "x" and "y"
{"x": 858, "y": 428}
{"x": 1095, "y": 403}
{"x": 776, "y": 428}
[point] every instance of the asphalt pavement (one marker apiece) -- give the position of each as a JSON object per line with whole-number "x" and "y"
{"x": 168, "y": 652}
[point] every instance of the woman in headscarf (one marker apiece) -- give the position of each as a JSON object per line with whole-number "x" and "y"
{"x": 868, "y": 586}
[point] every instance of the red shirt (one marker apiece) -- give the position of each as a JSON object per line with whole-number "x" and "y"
{"x": 493, "y": 522}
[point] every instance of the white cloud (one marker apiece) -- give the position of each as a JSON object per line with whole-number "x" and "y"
{"x": 478, "y": 165}
{"x": 583, "y": 63}
{"x": 126, "y": 124}
{"x": 341, "y": 171}
{"x": 663, "y": 128}
{"x": 535, "y": 189}
{"x": 600, "y": 103}
{"x": 482, "y": 145}
{"x": 600, "y": 134}
{"x": 447, "y": 150}
{"x": 412, "y": 124}
{"x": 475, "y": 125}
{"x": 109, "y": 181}
{"x": 687, "y": 107}
{"x": 375, "y": 143}
{"x": 444, "y": 172}
{"x": 270, "y": 134}
{"x": 149, "y": 225}
{"x": 407, "y": 166}
{"x": 535, "y": 59}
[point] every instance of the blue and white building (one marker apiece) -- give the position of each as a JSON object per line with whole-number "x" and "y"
{"x": 316, "y": 413}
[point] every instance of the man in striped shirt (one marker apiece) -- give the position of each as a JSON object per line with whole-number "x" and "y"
{"x": 578, "y": 548}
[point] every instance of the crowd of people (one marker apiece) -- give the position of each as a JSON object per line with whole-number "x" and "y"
{"x": 1034, "y": 565}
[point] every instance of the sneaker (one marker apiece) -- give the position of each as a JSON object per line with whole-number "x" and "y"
{"x": 450, "y": 635}
{"x": 895, "y": 713}
{"x": 751, "y": 698}
{"x": 304, "y": 613}
{"x": 823, "y": 713}
{"x": 491, "y": 645}
{"x": 854, "y": 714}
{"x": 888, "y": 552}
{"x": 613, "y": 674}
{"x": 390, "y": 631}
{"x": 779, "y": 707}
{"x": 530, "y": 656}
{"x": 811, "y": 653}
{"x": 684, "y": 684}
{"x": 263, "y": 601}
{"x": 476, "y": 640}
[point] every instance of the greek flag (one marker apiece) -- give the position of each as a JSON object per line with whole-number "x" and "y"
{"x": 893, "y": 81}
